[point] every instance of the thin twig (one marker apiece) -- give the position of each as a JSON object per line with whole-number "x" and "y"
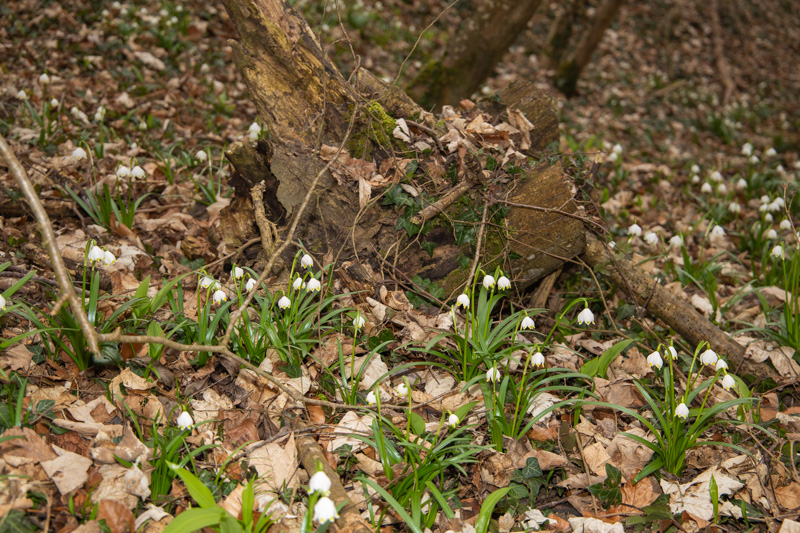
{"x": 49, "y": 238}
{"x": 449, "y": 198}
{"x": 478, "y": 242}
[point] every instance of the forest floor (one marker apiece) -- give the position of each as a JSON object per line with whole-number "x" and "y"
{"x": 696, "y": 189}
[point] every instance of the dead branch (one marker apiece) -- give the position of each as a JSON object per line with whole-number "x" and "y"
{"x": 49, "y": 238}
{"x": 449, "y": 198}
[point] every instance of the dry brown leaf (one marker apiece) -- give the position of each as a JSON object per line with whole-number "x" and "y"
{"x": 277, "y": 463}
{"x": 68, "y": 471}
{"x": 789, "y": 496}
{"x": 124, "y": 485}
{"x": 30, "y": 449}
{"x": 596, "y": 457}
{"x": 118, "y": 518}
{"x": 17, "y": 358}
{"x": 350, "y": 424}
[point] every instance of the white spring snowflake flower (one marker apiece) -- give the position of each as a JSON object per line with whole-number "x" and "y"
{"x": 651, "y": 238}
{"x": 772, "y": 234}
{"x": 695, "y": 169}
{"x": 709, "y": 357}
{"x": 617, "y": 149}
{"x": 527, "y": 323}
{"x": 401, "y": 390}
{"x": 675, "y": 241}
{"x": 585, "y": 317}
{"x": 503, "y": 283}
{"x": 298, "y": 284}
{"x": 207, "y": 282}
{"x": 79, "y": 153}
{"x": 320, "y": 483}
{"x": 754, "y": 160}
{"x": 284, "y": 303}
{"x": 672, "y": 353}
{"x": 741, "y": 184}
{"x": 251, "y": 284}
{"x": 96, "y": 254}
{"x": 100, "y": 114}
{"x": 721, "y": 365}
{"x": 184, "y": 420}
{"x": 359, "y": 321}
{"x": 785, "y": 224}
{"x": 634, "y": 230}
{"x": 682, "y": 411}
{"x": 716, "y": 176}
{"x": 54, "y": 102}
{"x": 654, "y": 360}
{"x": 695, "y": 179}
{"x": 537, "y": 360}
{"x": 777, "y": 252}
{"x": 770, "y": 152}
{"x": 493, "y": 375}
{"x": 201, "y": 155}
{"x": 775, "y": 206}
{"x": 44, "y": 79}
{"x": 325, "y": 510}
{"x": 488, "y": 281}
{"x": 307, "y": 261}
{"x": 254, "y": 131}
{"x": 137, "y": 172}
{"x": 313, "y": 285}
{"x": 717, "y": 231}
{"x": 238, "y": 272}
{"x": 219, "y": 296}
{"x": 747, "y": 149}
{"x": 2, "y": 302}
{"x": 108, "y": 258}
{"x": 463, "y": 301}
{"x": 706, "y": 188}
{"x": 371, "y": 399}
{"x": 21, "y": 95}
{"x": 453, "y": 420}
{"x": 123, "y": 171}
{"x": 734, "y": 208}
{"x": 767, "y": 217}
{"x": 613, "y": 157}
{"x": 728, "y": 382}
{"x": 722, "y": 189}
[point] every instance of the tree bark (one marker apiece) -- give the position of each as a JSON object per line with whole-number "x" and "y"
{"x": 474, "y": 50}
{"x": 561, "y": 32}
{"x": 569, "y": 71}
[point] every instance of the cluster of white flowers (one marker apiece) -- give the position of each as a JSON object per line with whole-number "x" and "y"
{"x": 616, "y": 153}
{"x": 98, "y": 254}
{"x": 254, "y": 131}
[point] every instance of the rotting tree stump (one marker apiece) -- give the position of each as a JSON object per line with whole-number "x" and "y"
{"x": 307, "y": 105}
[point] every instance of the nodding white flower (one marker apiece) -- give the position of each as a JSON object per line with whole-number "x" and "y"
{"x": 728, "y": 382}
{"x": 79, "y": 153}
{"x": 54, "y": 102}
{"x": 401, "y": 390}
{"x": 706, "y": 188}
{"x": 371, "y": 399}
{"x": 672, "y": 353}
{"x": 79, "y": 115}
{"x": 359, "y": 321}
{"x": 651, "y": 238}
{"x": 493, "y": 375}
{"x": 612, "y": 244}
{"x": 764, "y": 199}
{"x": 503, "y": 283}
{"x": 617, "y": 149}
{"x": 682, "y": 411}
{"x": 2, "y": 302}
{"x": 735, "y": 208}
{"x": 108, "y": 258}
{"x": 717, "y": 231}
{"x": 722, "y": 189}
{"x": 537, "y": 360}
{"x": 695, "y": 169}
{"x": 767, "y": 217}
{"x": 100, "y": 114}
{"x": 298, "y": 284}
{"x": 721, "y": 365}
{"x": 613, "y": 157}
{"x": 585, "y": 317}
{"x": 463, "y": 301}
{"x": 142, "y": 125}
{"x": 635, "y": 230}
{"x": 325, "y": 510}
{"x": 675, "y": 241}
{"x": 754, "y": 160}
{"x": 137, "y": 172}
{"x": 284, "y": 303}
{"x": 254, "y": 127}
{"x": 527, "y": 323}
{"x": 775, "y": 205}
{"x": 307, "y": 261}
{"x": 453, "y": 420}
{"x": 313, "y": 285}
{"x": 695, "y": 179}
{"x": 96, "y": 254}
{"x": 488, "y": 281}
{"x": 772, "y": 234}
{"x": 44, "y": 79}
{"x": 709, "y": 357}
{"x": 184, "y": 420}
{"x": 785, "y": 224}
{"x": 777, "y": 252}
{"x": 251, "y": 284}
{"x": 654, "y": 360}
{"x": 747, "y": 149}
{"x": 219, "y": 296}
{"x": 238, "y": 272}
{"x": 319, "y": 482}
{"x": 769, "y": 152}
{"x": 716, "y": 176}
{"x": 201, "y": 155}
{"x": 207, "y": 282}
{"x": 123, "y": 171}
{"x": 204, "y": 67}
{"x": 741, "y": 184}
{"x": 22, "y": 95}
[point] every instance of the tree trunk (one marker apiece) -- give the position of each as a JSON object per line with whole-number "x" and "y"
{"x": 473, "y": 51}
{"x": 561, "y": 32}
{"x": 301, "y": 97}
{"x": 570, "y": 70}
